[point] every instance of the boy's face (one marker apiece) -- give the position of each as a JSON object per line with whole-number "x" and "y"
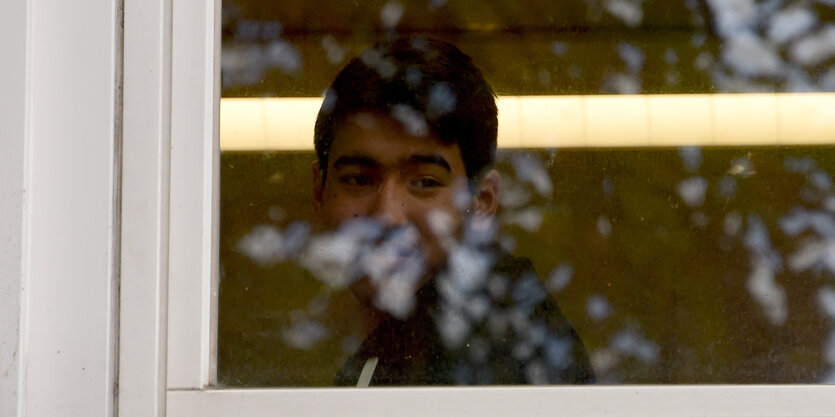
{"x": 377, "y": 170}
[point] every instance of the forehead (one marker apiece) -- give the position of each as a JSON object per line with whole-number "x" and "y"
{"x": 388, "y": 141}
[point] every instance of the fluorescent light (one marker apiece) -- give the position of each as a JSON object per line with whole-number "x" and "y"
{"x": 576, "y": 121}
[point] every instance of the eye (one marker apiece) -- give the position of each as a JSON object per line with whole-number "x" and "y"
{"x": 355, "y": 180}
{"x": 426, "y": 183}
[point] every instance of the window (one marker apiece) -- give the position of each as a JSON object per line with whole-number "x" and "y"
{"x": 194, "y": 369}
{"x": 596, "y": 186}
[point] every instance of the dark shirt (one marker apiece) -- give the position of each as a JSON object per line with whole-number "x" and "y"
{"x": 508, "y": 331}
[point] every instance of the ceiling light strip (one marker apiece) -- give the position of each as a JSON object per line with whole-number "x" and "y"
{"x": 286, "y": 124}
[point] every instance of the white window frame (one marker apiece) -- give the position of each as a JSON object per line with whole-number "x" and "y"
{"x": 60, "y": 108}
{"x": 169, "y": 267}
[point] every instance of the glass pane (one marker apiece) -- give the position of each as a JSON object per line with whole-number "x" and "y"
{"x": 664, "y": 208}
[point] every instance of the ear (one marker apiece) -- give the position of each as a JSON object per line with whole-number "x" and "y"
{"x": 486, "y": 196}
{"x": 318, "y": 186}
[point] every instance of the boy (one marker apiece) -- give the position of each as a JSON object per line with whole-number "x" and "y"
{"x": 406, "y": 142}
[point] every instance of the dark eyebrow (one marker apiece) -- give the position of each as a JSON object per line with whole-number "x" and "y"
{"x": 348, "y": 160}
{"x": 429, "y": 159}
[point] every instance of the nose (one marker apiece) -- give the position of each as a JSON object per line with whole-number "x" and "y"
{"x": 390, "y": 203}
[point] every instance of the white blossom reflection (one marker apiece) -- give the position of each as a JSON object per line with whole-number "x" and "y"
{"x": 629, "y": 11}
{"x": 264, "y": 245}
{"x": 692, "y": 191}
{"x": 765, "y": 265}
{"x": 598, "y": 307}
{"x": 691, "y": 156}
{"x": 304, "y": 333}
{"x": 628, "y": 342}
{"x": 391, "y": 14}
{"x": 560, "y": 277}
{"x": 529, "y": 169}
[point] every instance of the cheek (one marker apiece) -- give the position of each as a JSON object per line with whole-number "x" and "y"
{"x": 336, "y": 209}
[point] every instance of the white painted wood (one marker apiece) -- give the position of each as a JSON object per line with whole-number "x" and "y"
{"x": 70, "y": 222}
{"x": 13, "y": 80}
{"x": 145, "y": 187}
{"x": 686, "y": 401}
{"x": 194, "y": 200}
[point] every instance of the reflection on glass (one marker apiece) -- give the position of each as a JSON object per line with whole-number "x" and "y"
{"x": 693, "y": 264}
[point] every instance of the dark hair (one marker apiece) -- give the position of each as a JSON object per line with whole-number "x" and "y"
{"x": 416, "y": 79}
